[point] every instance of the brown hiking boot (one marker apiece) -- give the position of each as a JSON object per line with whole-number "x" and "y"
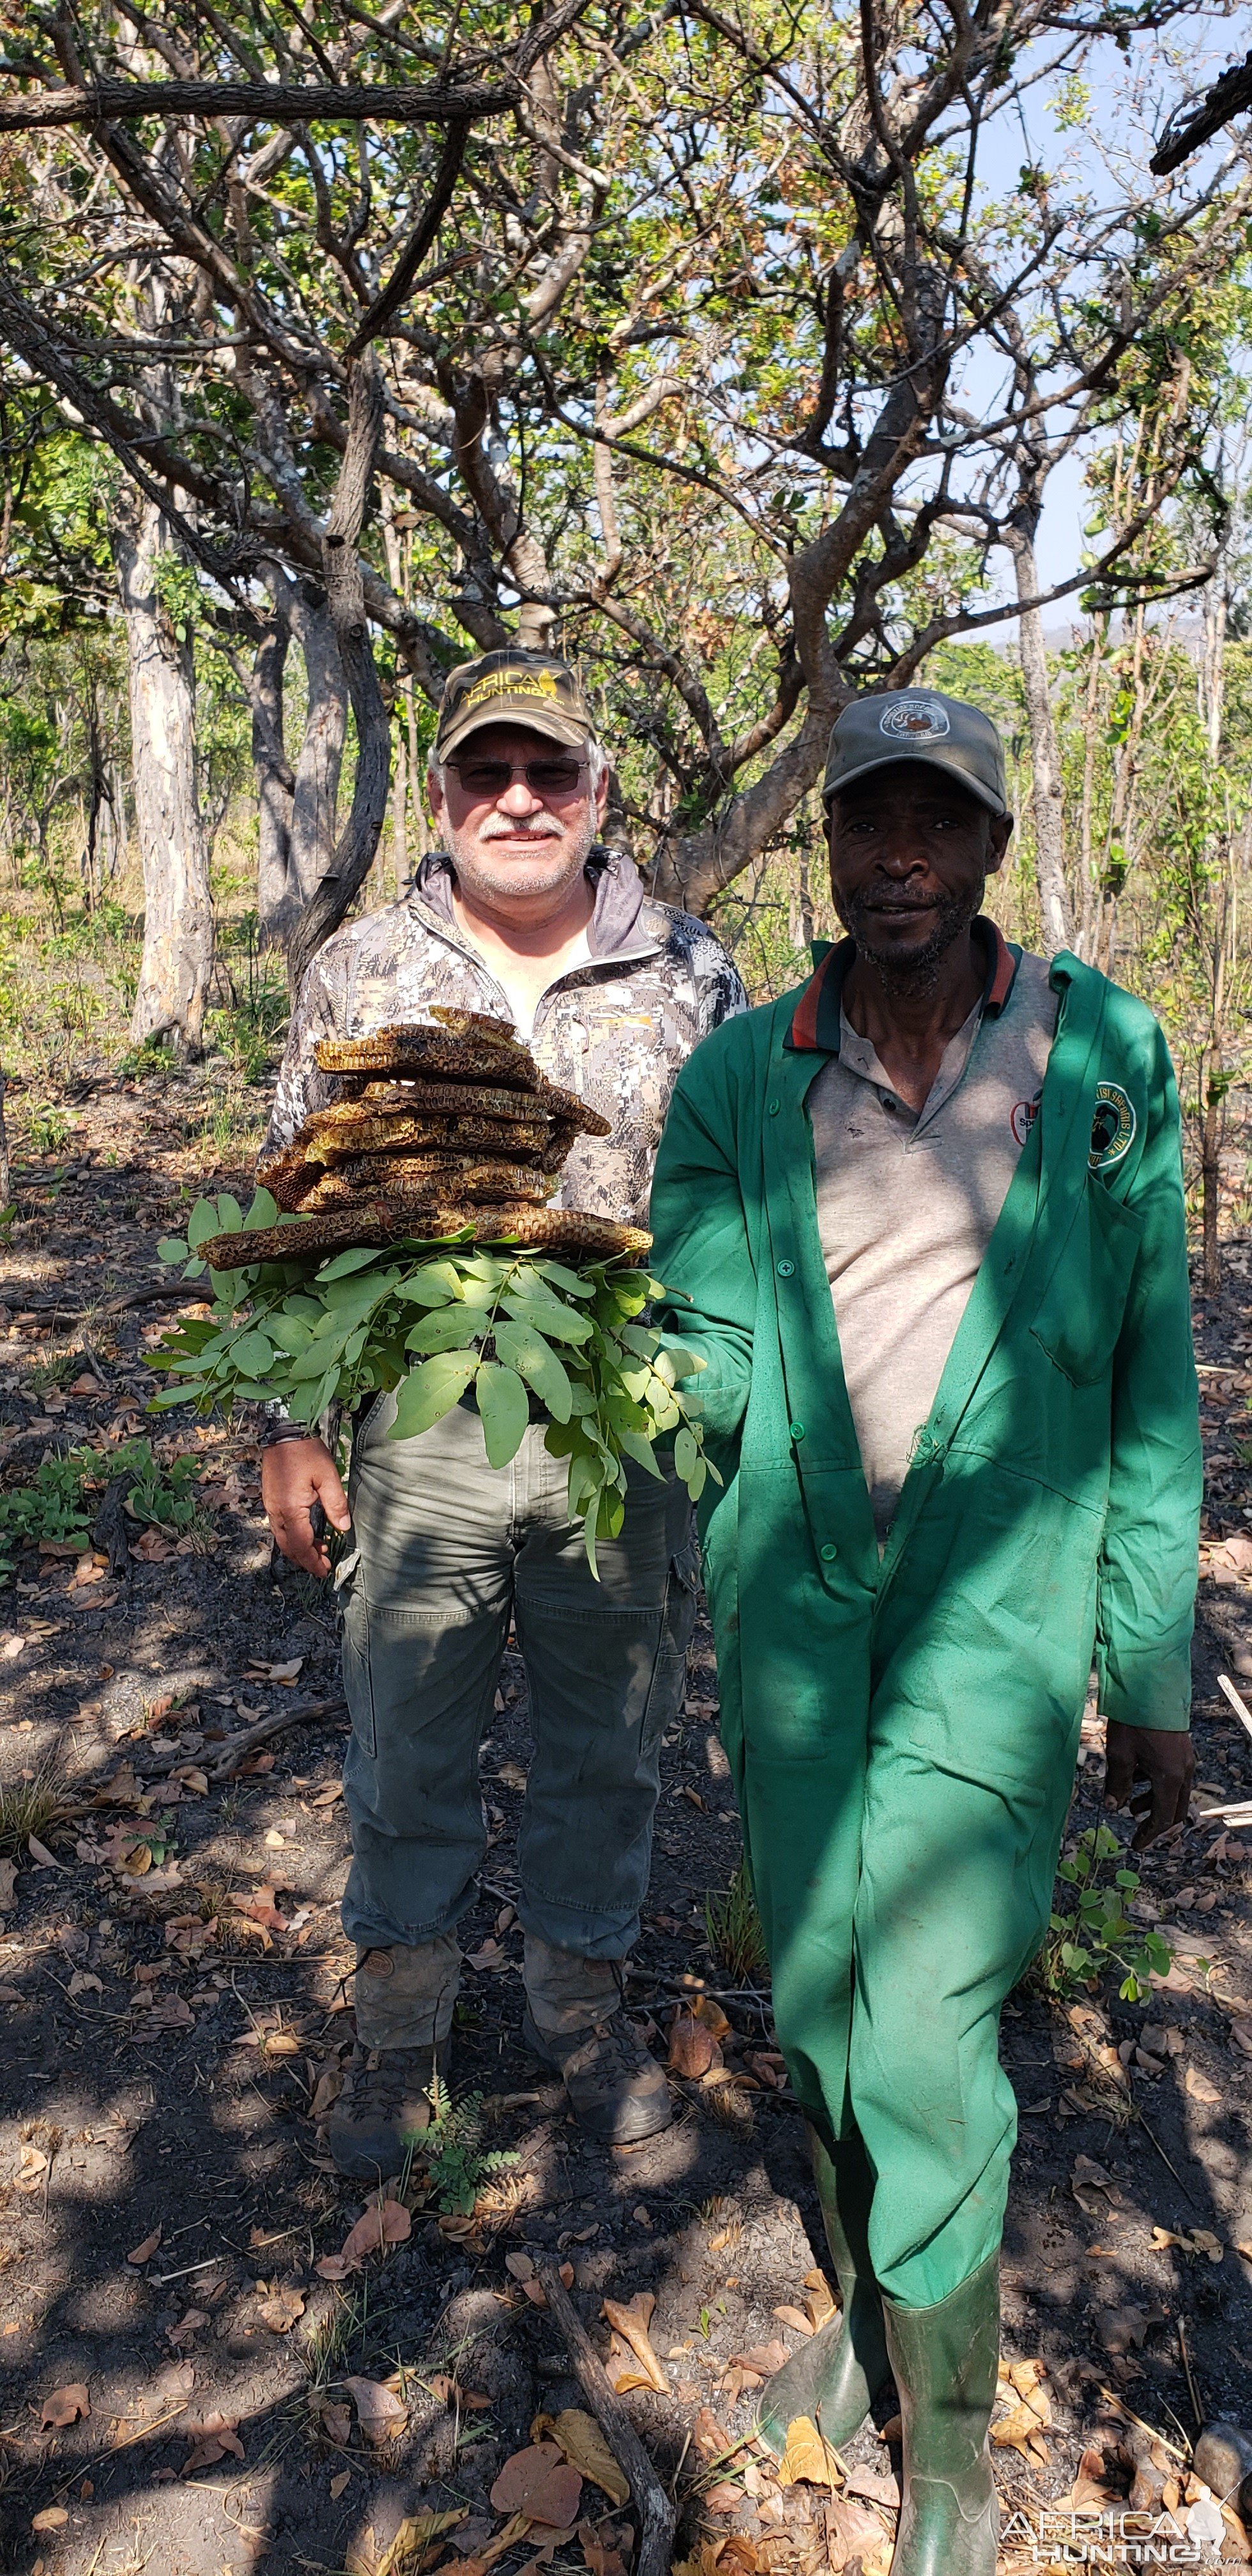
{"x": 384, "y": 2108}
{"x": 616, "y": 2089}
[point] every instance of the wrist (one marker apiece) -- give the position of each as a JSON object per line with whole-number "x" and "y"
{"x": 275, "y": 1433}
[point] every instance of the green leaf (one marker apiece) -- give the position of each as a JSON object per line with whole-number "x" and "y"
{"x": 229, "y": 1213}
{"x": 290, "y": 1333}
{"x": 559, "y": 1277}
{"x": 317, "y": 1357}
{"x": 686, "y": 1455}
{"x": 637, "y": 1446}
{"x": 520, "y": 1346}
{"x": 683, "y": 1362}
{"x": 253, "y": 1354}
{"x": 430, "y": 1391}
{"x": 433, "y": 1285}
{"x": 562, "y": 1323}
{"x": 171, "y": 1248}
{"x": 445, "y": 1328}
{"x": 264, "y": 1210}
{"x": 201, "y": 1223}
{"x": 505, "y": 1411}
{"x": 346, "y": 1262}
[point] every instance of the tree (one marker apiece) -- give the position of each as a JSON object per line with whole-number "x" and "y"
{"x": 729, "y": 371}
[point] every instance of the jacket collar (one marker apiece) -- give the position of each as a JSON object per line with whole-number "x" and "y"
{"x": 619, "y": 897}
{"x": 815, "y": 1024}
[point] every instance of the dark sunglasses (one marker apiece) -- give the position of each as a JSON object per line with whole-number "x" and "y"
{"x": 543, "y": 777}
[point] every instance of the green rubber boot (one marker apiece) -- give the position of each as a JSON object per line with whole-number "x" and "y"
{"x": 944, "y": 2359}
{"x": 835, "y": 2377}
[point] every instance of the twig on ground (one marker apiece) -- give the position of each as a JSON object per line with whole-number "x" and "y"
{"x": 657, "y": 2515}
{"x": 267, "y": 1726}
{"x": 1164, "y": 2158}
{"x": 1191, "y": 2386}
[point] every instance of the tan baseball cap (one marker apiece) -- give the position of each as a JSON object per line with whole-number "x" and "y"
{"x": 512, "y": 687}
{"x": 918, "y": 724}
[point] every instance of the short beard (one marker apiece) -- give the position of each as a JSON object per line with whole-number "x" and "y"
{"x": 909, "y": 977}
{"x": 556, "y": 864}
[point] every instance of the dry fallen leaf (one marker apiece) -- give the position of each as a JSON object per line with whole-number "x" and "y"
{"x": 539, "y": 2483}
{"x": 339, "y": 2482}
{"x": 630, "y": 2318}
{"x": 144, "y": 2253}
{"x": 413, "y": 2542}
{"x": 379, "y": 2412}
{"x": 693, "y": 2051}
{"x": 283, "y": 2309}
{"x": 711, "y": 2015}
{"x": 52, "y": 2518}
{"x": 40, "y": 1852}
{"x": 375, "y": 2229}
{"x": 1199, "y": 2087}
{"x": 807, "y": 2459}
{"x": 584, "y": 2445}
{"x": 84, "y": 1983}
{"x": 64, "y": 2406}
{"x": 789, "y": 2316}
{"x": 187, "y": 2326}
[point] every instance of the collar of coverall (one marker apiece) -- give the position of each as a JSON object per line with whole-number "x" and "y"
{"x": 619, "y": 898}
{"x": 817, "y": 1016}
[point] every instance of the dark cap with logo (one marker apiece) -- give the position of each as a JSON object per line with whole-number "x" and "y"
{"x": 512, "y": 687}
{"x": 918, "y": 724}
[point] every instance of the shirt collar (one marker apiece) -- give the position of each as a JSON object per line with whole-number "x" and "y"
{"x": 619, "y": 897}
{"x": 815, "y": 1023}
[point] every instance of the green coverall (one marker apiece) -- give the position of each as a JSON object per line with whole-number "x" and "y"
{"x": 903, "y": 1732}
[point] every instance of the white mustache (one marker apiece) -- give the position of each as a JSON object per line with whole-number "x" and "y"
{"x": 543, "y": 831}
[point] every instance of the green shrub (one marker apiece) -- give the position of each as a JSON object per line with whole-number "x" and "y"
{"x": 1092, "y": 1934}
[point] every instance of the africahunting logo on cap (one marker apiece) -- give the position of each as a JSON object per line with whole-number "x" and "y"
{"x": 915, "y": 720}
{"x": 1113, "y": 1128}
{"x": 515, "y": 681}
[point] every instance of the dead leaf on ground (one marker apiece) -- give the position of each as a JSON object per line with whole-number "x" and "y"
{"x": 712, "y": 2016}
{"x": 379, "y": 2411}
{"x": 8, "y": 1882}
{"x": 210, "y": 2441}
{"x": 152, "y": 1549}
{"x": 64, "y": 2406}
{"x": 763, "y": 2357}
{"x": 580, "y": 2438}
{"x": 52, "y": 2518}
{"x": 83, "y": 1982}
{"x": 708, "y": 2439}
{"x": 1199, "y": 2087}
{"x": 630, "y": 2318}
{"x": 283, "y": 2309}
{"x": 807, "y": 2459}
{"x": 693, "y": 2051}
{"x": 789, "y": 2316}
{"x": 144, "y": 2253}
{"x": 338, "y": 2483}
{"x": 540, "y": 2483}
{"x": 187, "y": 2326}
{"x": 1119, "y": 2328}
{"x": 598, "y": 2559}
{"x": 414, "y": 2541}
{"x": 375, "y": 2230}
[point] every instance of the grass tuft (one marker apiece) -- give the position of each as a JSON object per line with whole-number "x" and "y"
{"x": 734, "y": 1929}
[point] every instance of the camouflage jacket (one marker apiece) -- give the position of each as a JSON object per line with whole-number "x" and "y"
{"x": 615, "y": 1029}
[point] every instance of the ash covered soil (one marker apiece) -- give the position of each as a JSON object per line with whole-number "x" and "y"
{"x": 181, "y": 2386}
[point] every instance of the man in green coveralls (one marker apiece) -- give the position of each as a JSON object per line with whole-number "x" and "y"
{"x": 928, "y": 1216}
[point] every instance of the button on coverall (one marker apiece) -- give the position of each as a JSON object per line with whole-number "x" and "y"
{"x": 903, "y": 1731}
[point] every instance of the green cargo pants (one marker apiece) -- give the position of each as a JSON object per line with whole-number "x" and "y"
{"x": 451, "y": 1550}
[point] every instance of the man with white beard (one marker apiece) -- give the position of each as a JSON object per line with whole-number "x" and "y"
{"x": 522, "y": 915}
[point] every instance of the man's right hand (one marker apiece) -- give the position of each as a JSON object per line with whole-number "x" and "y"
{"x": 295, "y": 1474}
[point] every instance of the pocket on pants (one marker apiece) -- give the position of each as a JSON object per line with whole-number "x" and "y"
{"x": 357, "y": 1680}
{"x": 678, "y": 1619}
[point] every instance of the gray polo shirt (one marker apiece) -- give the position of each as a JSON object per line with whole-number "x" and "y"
{"x": 907, "y": 1201}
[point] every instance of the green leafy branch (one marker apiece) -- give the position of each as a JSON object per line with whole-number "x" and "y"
{"x": 436, "y": 1323}
{"x": 1094, "y": 1933}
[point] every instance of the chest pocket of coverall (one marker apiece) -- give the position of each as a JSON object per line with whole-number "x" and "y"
{"x": 1080, "y": 1314}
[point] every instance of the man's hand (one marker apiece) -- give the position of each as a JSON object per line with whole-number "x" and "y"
{"x": 1164, "y": 1757}
{"x": 295, "y": 1474}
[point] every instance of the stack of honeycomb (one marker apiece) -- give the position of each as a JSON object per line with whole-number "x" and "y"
{"x": 435, "y": 1128}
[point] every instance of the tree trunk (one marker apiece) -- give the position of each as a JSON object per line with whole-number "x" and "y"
{"x": 297, "y": 843}
{"x": 178, "y": 917}
{"x": 1045, "y": 758}
{"x": 346, "y": 869}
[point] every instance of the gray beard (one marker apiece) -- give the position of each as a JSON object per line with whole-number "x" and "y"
{"x": 906, "y": 979}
